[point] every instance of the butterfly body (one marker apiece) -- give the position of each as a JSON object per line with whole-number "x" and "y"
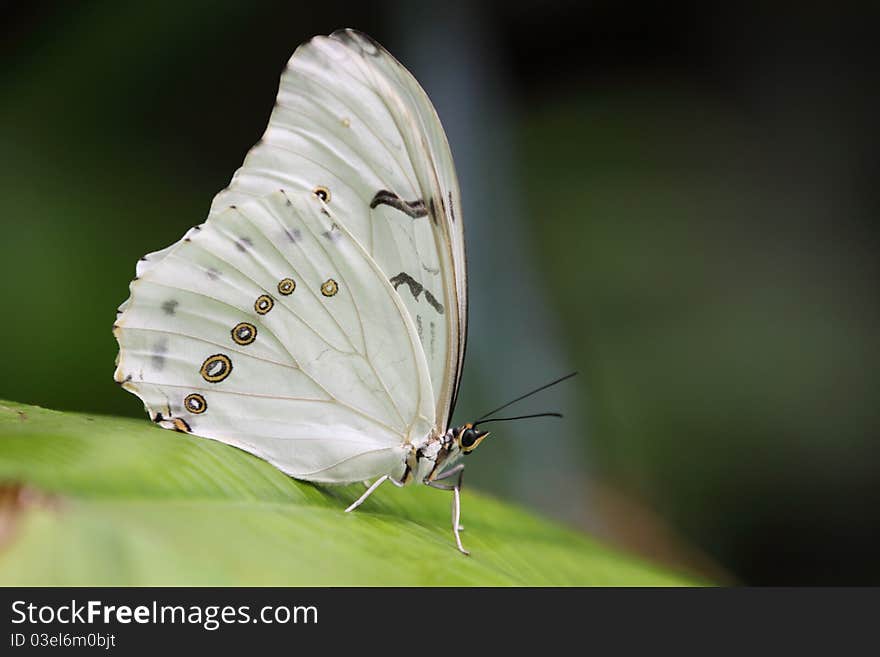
{"x": 317, "y": 318}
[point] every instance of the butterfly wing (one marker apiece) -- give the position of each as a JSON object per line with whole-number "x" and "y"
{"x": 353, "y": 125}
{"x": 271, "y": 329}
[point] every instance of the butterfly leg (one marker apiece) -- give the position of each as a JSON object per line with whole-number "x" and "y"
{"x": 456, "y": 500}
{"x": 459, "y": 470}
{"x": 367, "y": 493}
{"x": 371, "y": 488}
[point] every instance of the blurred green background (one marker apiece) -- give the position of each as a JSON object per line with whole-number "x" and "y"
{"x": 680, "y": 201}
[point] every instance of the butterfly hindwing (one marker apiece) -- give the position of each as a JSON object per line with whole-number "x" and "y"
{"x": 270, "y": 328}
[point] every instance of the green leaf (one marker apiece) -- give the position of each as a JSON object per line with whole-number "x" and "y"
{"x": 109, "y": 501}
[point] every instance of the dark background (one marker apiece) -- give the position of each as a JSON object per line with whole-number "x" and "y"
{"x": 679, "y": 200}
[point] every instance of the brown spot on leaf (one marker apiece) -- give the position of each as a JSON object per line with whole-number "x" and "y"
{"x": 16, "y": 499}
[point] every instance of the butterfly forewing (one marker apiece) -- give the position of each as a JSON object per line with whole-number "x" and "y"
{"x": 270, "y": 328}
{"x": 352, "y": 126}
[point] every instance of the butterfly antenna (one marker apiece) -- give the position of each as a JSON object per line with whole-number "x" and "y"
{"x": 528, "y": 394}
{"x": 518, "y": 417}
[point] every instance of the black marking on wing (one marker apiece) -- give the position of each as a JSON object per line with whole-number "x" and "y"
{"x": 416, "y": 289}
{"x": 181, "y": 425}
{"x": 367, "y": 44}
{"x": 158, "y": 355}
{"x": 451, "y": 208}
{"x": 414, "y": 209}
{"x": 434, "y": 303}
{"x": 414, "y": 286}
{"x": 334, "y": 234}
{"x": 243, "y": 244}
{"x": 169, "y": 306}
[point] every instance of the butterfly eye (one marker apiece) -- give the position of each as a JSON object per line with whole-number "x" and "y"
{"x": 322, "y": 193}
{"x": 470, "y": 438}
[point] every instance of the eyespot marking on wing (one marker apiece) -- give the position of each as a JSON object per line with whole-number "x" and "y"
{"x": 329, "y": 288}
{"x": 322, "y": 193}
{"x": 264, "y": 304}
{"x": 244, "y": 333}
{"x": 286, "y": 286}
{"x": 195, "y": 403}
{"x": 216, "y": 368}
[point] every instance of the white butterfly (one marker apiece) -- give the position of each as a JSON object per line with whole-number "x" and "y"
{"x": 317, "y": 319}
